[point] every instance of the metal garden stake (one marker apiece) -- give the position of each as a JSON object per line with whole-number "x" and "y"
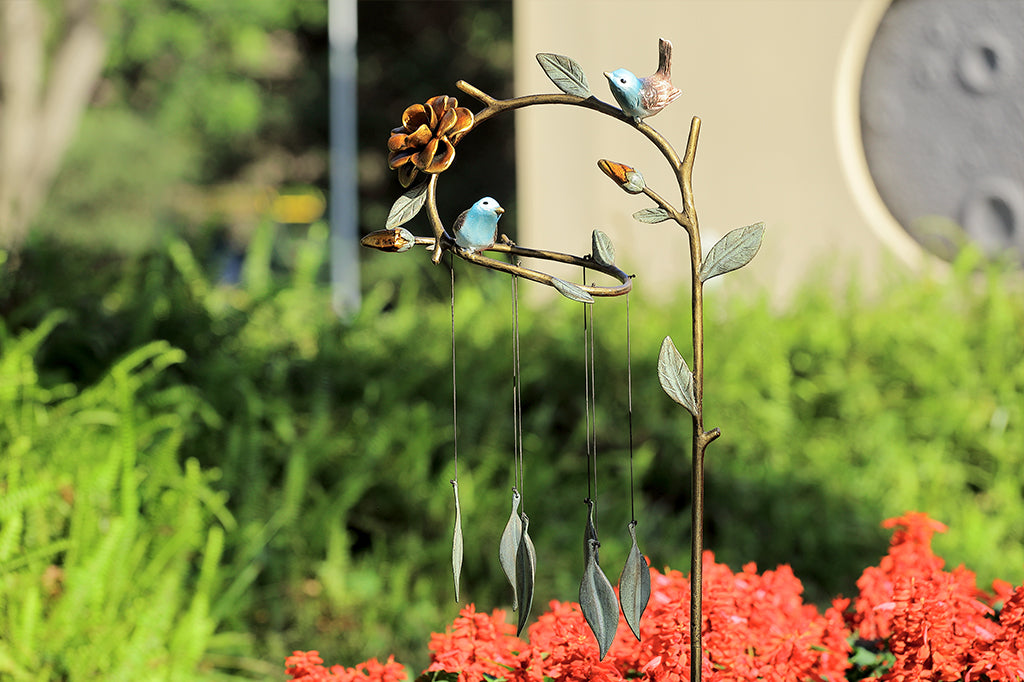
{"x": 425, "y": 143}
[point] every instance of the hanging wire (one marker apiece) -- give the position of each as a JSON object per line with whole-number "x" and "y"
{"x": 517, "y": 391}
{"x": 629, "y": 404}
{"x": 455, "y": 411}
{"x": 590, "y": 399}
{"x": 589, "y": 308}
{"x": 586, "y": 395}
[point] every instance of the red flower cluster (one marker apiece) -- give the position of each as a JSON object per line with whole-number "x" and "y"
{"x": 308, "y": 667}
{"x": 476, "y": 644}
{"x": 756, "y": 626}
{"x": 937, "y": 625}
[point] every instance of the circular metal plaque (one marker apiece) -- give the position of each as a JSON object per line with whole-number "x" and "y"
{"x": 942, "y": 122}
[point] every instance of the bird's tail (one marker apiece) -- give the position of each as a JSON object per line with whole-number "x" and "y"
{"x": 665, "y": 58}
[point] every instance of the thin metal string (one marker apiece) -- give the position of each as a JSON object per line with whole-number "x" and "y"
{"x": 517, "y": 391}
{"x": 590, "y": 400}
{"x": 629, "y": 403}
{"x": 455, "y": 411}
{"x": 593, "y": 401}
{"x": 586, "y": 395}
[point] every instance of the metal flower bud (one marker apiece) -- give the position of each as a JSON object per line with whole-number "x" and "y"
{"x": 394, "y": 240}
{"x": 625, "y": 176}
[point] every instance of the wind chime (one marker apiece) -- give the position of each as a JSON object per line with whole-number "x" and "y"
{"x": 425, "y": 143}
{"x": 475, "y": 230}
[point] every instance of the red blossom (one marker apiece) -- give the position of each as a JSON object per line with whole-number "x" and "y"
{"x": 754, "y": 626}
{"x": 476, "y": 644}
{"x": 937, "y": 625}
{"x": 910, "y": 555}
{"x": 307, "y": 666}
{"x": 564, "y": 648}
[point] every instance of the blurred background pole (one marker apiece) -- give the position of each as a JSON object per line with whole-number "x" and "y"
{"x": 344, "y": 202}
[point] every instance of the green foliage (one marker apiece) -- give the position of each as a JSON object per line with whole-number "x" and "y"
{"x": 332, "y": 439}
{"x": 840, "y": 414}
{"x": 195, "y": 94}
{"x": 110, "y": 544}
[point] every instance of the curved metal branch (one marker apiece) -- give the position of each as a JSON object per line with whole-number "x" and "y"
{"x": 384, "y": 240}
{"x": 496, "y": 106}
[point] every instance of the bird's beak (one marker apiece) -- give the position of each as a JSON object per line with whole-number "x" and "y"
{"x": 499, "y": 210}
{"x": 607, "y": 74}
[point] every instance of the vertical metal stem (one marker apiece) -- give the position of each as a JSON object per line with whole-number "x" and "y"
{"x": 699, "y": 437}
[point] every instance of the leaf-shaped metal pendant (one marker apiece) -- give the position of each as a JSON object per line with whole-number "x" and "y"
{"x": 407, "y": 206}
{"x": 457, "y": 544}
{"x": 572, "y": 291}
{"x": 509, "y": 546}
{"x": 651, "y": 215}
{"x": 526, "y": 571}
{"x": 565, "y": 73}
{"x": 590, "y": 535}
{"x": 732, "y": 251}
{"x": 598, "y": 602}
{"x": 634, "y": 585}
{"x": 604, "y": 250}
{"x": 675, "y": 377}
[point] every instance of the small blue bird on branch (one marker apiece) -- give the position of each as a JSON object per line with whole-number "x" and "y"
{"x": 476, "y": 228}
{"x": 643, "y": 97}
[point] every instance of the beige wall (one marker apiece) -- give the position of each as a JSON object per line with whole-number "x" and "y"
{"x": 775, "y": 84}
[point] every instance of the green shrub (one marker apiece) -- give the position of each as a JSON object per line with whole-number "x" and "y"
{"x": 110, "y": 544}
{"x": 333, "y": 437}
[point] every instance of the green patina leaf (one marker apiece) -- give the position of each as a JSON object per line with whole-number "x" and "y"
{"x": 652, "y": 215}
{"x": 675, "y": 377}
{"x": 634, "y": 585}
{"x": 565, "y": 73}
{"x": 732, "y": 251}
{"x": 407, "y": 206}
{"x": 598, "y": 602}
{"x": 572, "y": 291}
{"x": 526, "y": 571}
{"x": 457, "y": 543}
{"x": 509, "y": 546}
{"x": 603, "y": 249}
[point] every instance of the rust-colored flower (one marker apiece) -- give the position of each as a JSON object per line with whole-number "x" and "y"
{"x": 426, "y": 140}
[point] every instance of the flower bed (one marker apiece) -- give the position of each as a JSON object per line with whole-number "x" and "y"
{"x": 911, "y": 620}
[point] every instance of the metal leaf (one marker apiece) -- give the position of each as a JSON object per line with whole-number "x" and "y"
{"x": 509, "y": 546}
{"x": 652, "y": 215}
{"x": 732, "y": 251}
{"x": 572, "y": 291}
{"x": 675, "y": 377}
{"x": 634, "y": 585}
{"x": 603, "y": 249}
{"x": 598, "y": 602}
{"x": 407, "y": 206}
{"x": 457, "y": 544}
{"x": 590, "y": 534}
{"x": 565, "y": 73}
{"x": 526, "y": 571}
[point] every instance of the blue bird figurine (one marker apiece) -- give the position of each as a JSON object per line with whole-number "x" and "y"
{"x": 643, "y": 97}
{"x": 476, "y": 228}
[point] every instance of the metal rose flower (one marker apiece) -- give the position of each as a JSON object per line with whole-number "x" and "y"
{"x": 426, "y": 140}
